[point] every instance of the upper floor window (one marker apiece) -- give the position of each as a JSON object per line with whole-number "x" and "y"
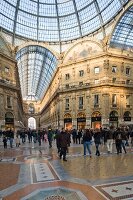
{"x": 81, "y": 73}
{"x": 114, "y": 100}
{"x": 67, "y": 104}
{"x": 80, "y": 83}
{"x": 96, "y": 100}
{"x": 96, "y": 70}
{"x": 7, "y": 69}
{"x": 128, "y": 81}
{"x": 96, "y": 81}
{"x": 81, "y": 102}
{"x": 67, "y": 85}
{"x": 114, "y": 68}
{"x": 67, "y": 76}
{"x": 127, "y": 71}
{"x": 9, "y": 104}
{"x": 113, "y": 79}
{"x": 7, "y": 80}
{"x": 127, "y": 100}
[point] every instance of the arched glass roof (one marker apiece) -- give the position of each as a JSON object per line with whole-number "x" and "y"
{"x": 123, "y": 33}
{"x": 36, "y": 66}
{"x": 57, "y": 20}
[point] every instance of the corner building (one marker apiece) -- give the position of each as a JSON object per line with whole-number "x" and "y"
{"x": 94, "y": 88}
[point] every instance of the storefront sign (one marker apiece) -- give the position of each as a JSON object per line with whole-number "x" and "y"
{"x": 96, "y": 119}
{"x": 9, "y": 120}
{"x": 113, "y": 119}
{"x": 81, "y": 119}
{"x": 127, "y": 118}
{"x": 67, "y": 120}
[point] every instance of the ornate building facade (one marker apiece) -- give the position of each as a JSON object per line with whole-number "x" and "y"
{"x": 82, "y": 80}
{"x": 92, "y": 87}
{"x": 11, "y": 105}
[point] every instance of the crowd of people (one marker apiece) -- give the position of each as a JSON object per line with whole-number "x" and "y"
{"x": 121, "y": 136}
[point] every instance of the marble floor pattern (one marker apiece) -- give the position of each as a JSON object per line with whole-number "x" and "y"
{"x": 31, "y": 172}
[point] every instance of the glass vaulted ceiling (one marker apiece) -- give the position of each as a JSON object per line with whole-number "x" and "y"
{"x": 123, "y": 34}
{"x": 36, "y": 67}
{"x": 57, "y": 20}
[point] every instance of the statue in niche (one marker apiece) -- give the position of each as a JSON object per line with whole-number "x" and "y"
{"x": 83, "y": 53}
{"x": 75, "y": 55}
{"x": 106, "y": 64}
{"x": 89, "y": 49}
{"x": 88, "y": 68}
{"x": 73, "y": 72}
{"x": 60, "y": 58}
{"x": 122, "y": 67}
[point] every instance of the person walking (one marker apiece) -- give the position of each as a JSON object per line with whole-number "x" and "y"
{"x": 124, "y": 139}
{"x": 50, "y": 137}
{"x": 118, "y": 140}
{"x": 5, "y": 142}
{"x": 17, "y": 141}
{"x": 110, "y": 136}
{"x": 87, "y": 141}
{"x": 63, "y": 143}
{"x": 79, "y": 136}
{"x": 97, "y": 140}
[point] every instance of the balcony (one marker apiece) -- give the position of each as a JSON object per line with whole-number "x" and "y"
{"x": 96, "y": 105}
{"x": 128, "y": 106}
{"x": 114, "y": 105}
{"x": 80, "y": 107}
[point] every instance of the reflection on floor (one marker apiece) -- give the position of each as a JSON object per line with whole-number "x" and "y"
{"x": 36, "y": 173}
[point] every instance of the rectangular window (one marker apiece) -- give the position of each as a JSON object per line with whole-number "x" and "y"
{"x": 96, "y": 81}
{"x": 96, "y": 100}
{"x": 9, "y": 105}
{"x": 81, "y": 73}
{"x": 114, "y": 100}
{"x": 6, "y": 69}
{"x": 67, "y": 104}
{"x": 113, "y": 80}
{"x": 114, "y": 68}
{"x": 127, "y": 101}
{"x": 80, "y": 83}
{"x": 67, "y": 86}
{"x": 81, "y": 102}
{"x": 127, "y": 71}
{"x": 127, "y": 81}
{"x": 96, "y": 70}
{"x": 67, "y": 76}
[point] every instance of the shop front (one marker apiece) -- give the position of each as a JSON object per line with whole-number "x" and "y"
{"x": 67, "y": 121}
{"x": 113, "y": 119}
{"x": 9, "y": 121}
{"x": 96, "y": 120}
{"x": 81, "y": 121}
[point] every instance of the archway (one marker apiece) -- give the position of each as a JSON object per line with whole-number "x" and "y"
{"x": 96, "y": 119}
{"x": 32, "y": 123}
{"x": 113, "y": 118}
{"x": 127, "y": 116}
{"x": 9, "y": 121}
{"x": 68, "y": 121}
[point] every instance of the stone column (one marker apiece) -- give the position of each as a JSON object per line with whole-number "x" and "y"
{"x": 105, "y": 109}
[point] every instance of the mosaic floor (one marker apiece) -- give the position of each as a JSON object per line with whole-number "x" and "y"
{"x": 31, "y": 172}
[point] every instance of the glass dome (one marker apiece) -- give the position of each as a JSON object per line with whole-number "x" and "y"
{"x": 57, "y": 20}
{"x": 123, "y": 34}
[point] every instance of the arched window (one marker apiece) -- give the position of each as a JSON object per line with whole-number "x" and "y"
{"x": 32, "y": 123}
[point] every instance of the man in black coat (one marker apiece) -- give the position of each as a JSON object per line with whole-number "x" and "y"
{"x": 63, "y": 143}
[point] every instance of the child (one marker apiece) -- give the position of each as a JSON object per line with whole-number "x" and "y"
{"x": 17, "y": 141}
{"x": 5, "y": 142}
